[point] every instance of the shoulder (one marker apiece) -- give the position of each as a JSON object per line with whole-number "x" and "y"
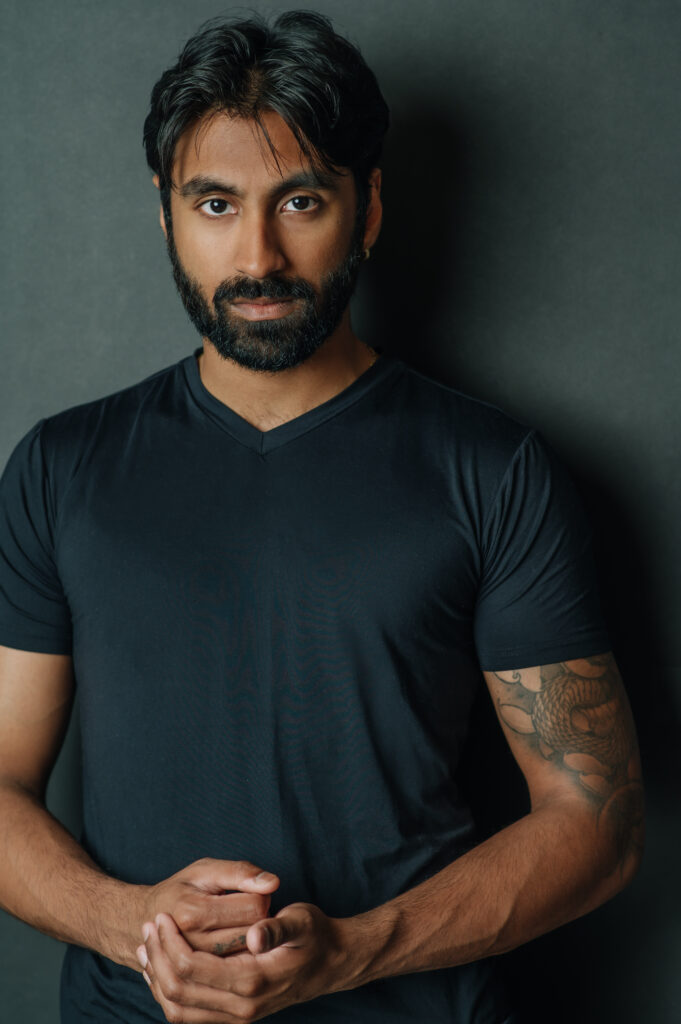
{"x": 59, "y": 444}
{"x": 127, "y": 401}
{"x": 477, "y": 432}
{"x": 474, "y": 419}
{"x": 67, "y": 435}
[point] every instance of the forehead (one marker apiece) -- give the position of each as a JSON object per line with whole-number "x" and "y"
{"x": 235, "y": 149}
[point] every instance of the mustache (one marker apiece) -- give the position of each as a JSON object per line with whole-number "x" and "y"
{"x": 272, "y": 287}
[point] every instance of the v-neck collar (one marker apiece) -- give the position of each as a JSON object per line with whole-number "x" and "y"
{"x": 263, "y": 441}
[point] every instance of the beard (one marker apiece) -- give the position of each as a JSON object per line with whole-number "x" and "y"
{"x": 277, "y": 344}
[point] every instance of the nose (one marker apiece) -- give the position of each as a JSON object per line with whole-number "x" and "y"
{"x": 258, "y": 248}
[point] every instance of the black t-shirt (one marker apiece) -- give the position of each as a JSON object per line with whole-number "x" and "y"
{"x": 277, "y": 637}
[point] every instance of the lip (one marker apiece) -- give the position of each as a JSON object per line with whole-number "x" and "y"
{"x": 263, "y": 309}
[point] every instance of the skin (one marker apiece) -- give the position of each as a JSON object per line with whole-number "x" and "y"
{"x": 256, "y": 230}
{"x": 47, "y": 879}
{"x": 271, "y": 227}
{"x": 580, "y": 844}
{"x": 203, "y": 938}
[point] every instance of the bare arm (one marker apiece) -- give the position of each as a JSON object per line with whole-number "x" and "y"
{"x": 570, "y": 729}
{"x": 47, "y": 878}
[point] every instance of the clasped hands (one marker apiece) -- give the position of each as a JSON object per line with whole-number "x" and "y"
{"x": 212, "y": 956}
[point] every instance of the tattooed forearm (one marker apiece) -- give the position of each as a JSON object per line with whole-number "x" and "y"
{"x": 577, "y": 716}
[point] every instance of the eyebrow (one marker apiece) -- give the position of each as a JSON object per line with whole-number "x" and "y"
{"x": 202, "y": 185}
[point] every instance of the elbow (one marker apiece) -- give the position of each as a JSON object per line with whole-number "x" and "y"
{"x": 632, "y": 857}
{"x": 623, "y": 821}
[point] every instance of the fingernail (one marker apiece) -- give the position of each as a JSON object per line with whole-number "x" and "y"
{"x": 267, "y": 939}
{"x": 141, "y": 955}
{"x": 146, "y": 931}
{"x": 265, "y": 876}
{"x": 146, "y": 978}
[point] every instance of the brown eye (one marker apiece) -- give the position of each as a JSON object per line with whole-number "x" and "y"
{"x": 302, "y": 204}
{"x": 215, "y": 207}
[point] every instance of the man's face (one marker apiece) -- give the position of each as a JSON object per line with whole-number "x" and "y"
{"x": 265, "y": 258}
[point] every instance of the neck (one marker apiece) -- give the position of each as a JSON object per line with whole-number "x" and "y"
{"x": 268, "y": 399}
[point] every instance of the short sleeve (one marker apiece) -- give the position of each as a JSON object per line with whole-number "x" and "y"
{"x": 34, "y": 614}
{"x": 538, "y": 600}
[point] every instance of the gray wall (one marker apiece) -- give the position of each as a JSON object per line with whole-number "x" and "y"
{"x": 533, "y": 237}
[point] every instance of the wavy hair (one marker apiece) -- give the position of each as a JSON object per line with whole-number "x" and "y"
{"x": 297, "y": 67}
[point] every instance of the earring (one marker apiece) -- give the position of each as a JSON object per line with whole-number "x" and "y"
{"x": 367, "y": 254}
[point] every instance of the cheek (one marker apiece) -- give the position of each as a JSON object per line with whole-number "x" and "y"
{"x": 313, "y": 254}
{"x": 202, "y": 254}
{"x": 344, "y": 230}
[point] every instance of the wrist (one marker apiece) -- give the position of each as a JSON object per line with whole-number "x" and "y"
{"x": 364, "y": 941}
{"x": 130, "y": 907}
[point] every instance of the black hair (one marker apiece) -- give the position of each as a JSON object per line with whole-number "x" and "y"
{"x": 299, "y": 68}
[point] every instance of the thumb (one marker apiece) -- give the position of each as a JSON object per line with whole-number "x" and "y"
{"x": 291, "y": 927}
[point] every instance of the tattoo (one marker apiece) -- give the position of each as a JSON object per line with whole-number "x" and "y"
{"x": 222, "y": 948}
{"x": 576, "y": 714}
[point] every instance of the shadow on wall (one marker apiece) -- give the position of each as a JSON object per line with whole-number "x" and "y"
{"x": 591, "y": 970}
{"x": 415, "y": 276}
{"x": 430, "y": 246}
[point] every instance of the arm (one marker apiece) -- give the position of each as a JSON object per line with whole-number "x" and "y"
{"x": 47, "y": 879}
{"x": 570, "y": 730}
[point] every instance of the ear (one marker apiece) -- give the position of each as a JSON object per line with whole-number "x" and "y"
{"x": 374, "y": 209}
{"x": 162, "y": 219}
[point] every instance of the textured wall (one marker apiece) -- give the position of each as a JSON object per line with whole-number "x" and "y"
{"x": 530, "y": 256}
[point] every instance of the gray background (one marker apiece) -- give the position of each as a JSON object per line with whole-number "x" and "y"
{"x": 530, "y": 256}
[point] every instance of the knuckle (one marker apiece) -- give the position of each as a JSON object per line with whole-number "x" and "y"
{"x": 184, "y": 966}
{"x": 250, "y": 987}
{"x": 185, "y": 916}
{"x": 246, "y": 1012}
{"x": 309, "y": 919}
{"x": 172, "y": 990}
{"x": 202, "y": 862}
{"x": 174, "y": 1014}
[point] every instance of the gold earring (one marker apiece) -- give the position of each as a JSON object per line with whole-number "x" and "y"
{"x": 367, "y": 254}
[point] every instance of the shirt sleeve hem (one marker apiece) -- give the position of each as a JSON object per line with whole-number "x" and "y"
{"x": 507, "y": 658}
{"x": 35, "y": 644}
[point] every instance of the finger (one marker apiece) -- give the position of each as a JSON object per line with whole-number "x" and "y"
{"x": 206, "y": 912}
{"x": 220, "y": 942}
{"x": 291, "y": 926}
{"x": 178, "y": 974}
{"x": 142, "y": 957}
{"x": 160, "y": 975}
{"x": 182, "y": 1011}
{"x": 232, "y": 973}
{"x": 228, "y": 875}
{"x": 224, "y": 943}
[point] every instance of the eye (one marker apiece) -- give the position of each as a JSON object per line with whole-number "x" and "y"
{"x": 301, "y": 204}
{"x": 216, "y": 207}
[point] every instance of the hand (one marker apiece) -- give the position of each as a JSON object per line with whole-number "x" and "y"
{"x": 297, "y": 955}
{"x": 211, "y": 919}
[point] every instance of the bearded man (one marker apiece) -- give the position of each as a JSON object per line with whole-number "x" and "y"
{"x": 276, "y": 573}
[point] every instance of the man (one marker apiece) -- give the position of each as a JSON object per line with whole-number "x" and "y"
{"x": 274, "y": 572}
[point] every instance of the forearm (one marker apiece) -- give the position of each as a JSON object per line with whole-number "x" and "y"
{"x": 49, "y": 881}
{"x": 542, "y": 871}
